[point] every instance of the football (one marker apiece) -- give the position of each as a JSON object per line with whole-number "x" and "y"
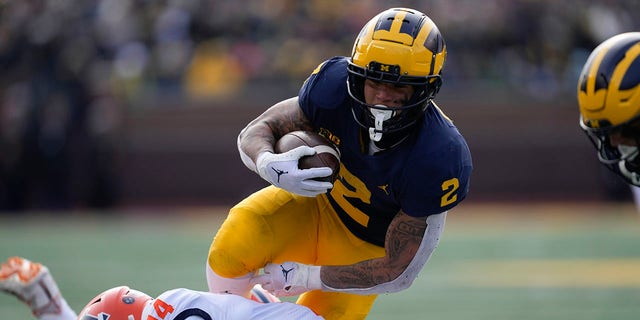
{"x": 327, "y": 154}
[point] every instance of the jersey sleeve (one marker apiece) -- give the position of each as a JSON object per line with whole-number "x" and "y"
{"x": 437, "y": 186}
{"x": 324, "y": 89}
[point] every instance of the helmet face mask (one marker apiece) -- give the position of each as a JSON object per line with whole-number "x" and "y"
{"x": 401, "y": 47}
{"x": 404, "y": 116}
{"x": 608, "y": 152}
{"x": 621, "y": 159}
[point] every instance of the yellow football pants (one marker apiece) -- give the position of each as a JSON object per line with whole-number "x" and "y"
{"x": 273, "y": 225}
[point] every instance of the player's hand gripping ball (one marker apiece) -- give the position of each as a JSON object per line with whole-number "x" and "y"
{"x": 327, "y": 154}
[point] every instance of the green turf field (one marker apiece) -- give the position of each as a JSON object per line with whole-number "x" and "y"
{"x": 533, "y": 261}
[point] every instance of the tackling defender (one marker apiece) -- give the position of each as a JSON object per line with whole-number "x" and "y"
{"x": 609, "y": 100}
{"x": 404, "y": 166}
{"x": 33, "y": 284}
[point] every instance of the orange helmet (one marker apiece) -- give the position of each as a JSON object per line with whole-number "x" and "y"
{"x": 119, "y": 303}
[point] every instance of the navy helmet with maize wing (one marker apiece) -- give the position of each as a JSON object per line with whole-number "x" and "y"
{"x": 609, "y": 100}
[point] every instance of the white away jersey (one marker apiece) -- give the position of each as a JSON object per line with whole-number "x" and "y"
{"x": 185, "y": 304}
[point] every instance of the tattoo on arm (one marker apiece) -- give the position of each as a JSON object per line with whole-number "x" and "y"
{"x": 262, "y": 133}
{"x": 402, "y": 242}
{"x": 290, "y": 118}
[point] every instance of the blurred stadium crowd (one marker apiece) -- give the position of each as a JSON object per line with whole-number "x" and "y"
{"x": 72, "y": 70}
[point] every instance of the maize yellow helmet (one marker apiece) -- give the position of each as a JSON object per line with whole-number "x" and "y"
{"x": 609, "y": 100}
{"x": 400, "y": 46}
{"x": 609, "y": 85}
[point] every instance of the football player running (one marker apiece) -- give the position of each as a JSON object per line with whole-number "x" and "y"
{"x": 404, "y": 165}
{"x": 33, "y": 284}
{"x": 609, "y": 101}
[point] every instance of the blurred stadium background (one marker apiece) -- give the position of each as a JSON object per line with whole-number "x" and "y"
{"x": 124, "y": 103}
{"x": 121, "y": 110}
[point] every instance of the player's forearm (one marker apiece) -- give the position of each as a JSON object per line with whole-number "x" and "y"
{"x": 410, "y": 242}
{"x": 366, "y": 274}
{"x": 261, "y": 134}
{"x": 370, "y": 273}
{"x": 255, "y": 139}
{"x": 370, "y": 277}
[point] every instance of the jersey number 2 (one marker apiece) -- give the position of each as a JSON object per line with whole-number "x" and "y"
{"x": 449, "y": 187}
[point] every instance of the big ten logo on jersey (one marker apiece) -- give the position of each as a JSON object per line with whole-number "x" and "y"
{"x": 330, "y": 136}
{"x": 161, "y": 309}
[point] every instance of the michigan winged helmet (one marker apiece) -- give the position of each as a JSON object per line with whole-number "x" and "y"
{"x": 609, "y": 100}
{"x": 402, "y": 47}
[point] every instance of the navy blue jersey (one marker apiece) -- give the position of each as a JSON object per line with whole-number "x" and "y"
{"x": 426, "y": 174}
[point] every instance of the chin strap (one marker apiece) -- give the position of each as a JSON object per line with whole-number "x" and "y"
{"x": 380, "y": 116}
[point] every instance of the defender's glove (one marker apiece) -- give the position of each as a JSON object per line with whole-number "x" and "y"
{"x": 281, "y": 170}
{"x": 289, "y": 278}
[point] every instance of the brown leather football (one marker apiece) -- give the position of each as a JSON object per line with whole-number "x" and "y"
{"x": 327, "y": 154}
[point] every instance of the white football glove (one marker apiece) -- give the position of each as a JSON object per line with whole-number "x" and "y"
{"x": 289, "y": 278}
{"x": 281, "y": 170}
